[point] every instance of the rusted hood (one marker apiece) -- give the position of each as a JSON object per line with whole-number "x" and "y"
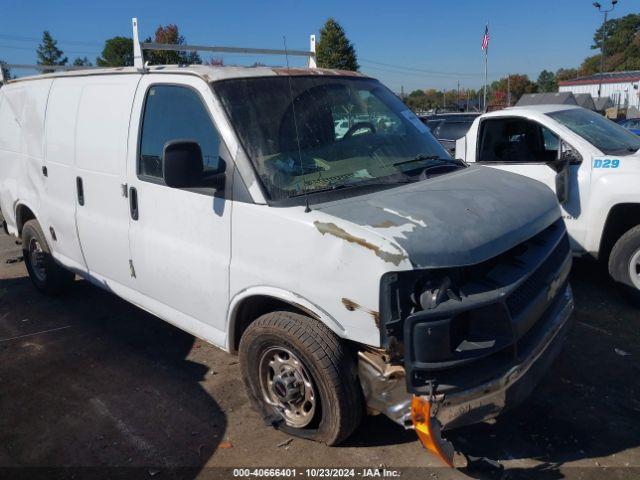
{"x": 456, "y": 219}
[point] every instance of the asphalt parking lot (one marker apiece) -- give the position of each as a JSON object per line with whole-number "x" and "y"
{"x": 87, "y": 380}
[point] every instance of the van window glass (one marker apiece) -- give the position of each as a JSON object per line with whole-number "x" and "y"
{"x": 175, "y": 113}
{"x": 607, "y": 136}
{"x": 311, "y": 134}
{"x": 516, "y": 140}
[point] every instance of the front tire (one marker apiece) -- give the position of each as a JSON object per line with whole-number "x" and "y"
{"x": 45, "y": 273}
{"x": 300, "y": 377}
{"x": 624, "y": 262}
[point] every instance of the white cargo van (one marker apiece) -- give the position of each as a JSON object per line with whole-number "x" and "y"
{"x": 364, "y": 268}
{"x": 592, "y": 163}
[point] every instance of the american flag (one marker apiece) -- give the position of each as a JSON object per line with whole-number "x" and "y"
{"x": 485, "y": 38}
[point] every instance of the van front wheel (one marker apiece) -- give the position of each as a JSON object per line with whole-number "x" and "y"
{"x": 300, "y": 377}
{"x": 45, "y": 273}
{"x": 624, "y": 262}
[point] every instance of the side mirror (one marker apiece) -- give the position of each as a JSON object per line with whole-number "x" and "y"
{"x": 182, "y": 164}
{"x": 566, "y": 156}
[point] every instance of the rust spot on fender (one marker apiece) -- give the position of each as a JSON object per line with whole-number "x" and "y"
{"x": 352, "y": 306}
{"x": 336, "y": 231}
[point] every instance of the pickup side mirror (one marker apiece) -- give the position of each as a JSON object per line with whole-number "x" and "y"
{"x": 566, "y": 156}
{"x": 182, "y": 165}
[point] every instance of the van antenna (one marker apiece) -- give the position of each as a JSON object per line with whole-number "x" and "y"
{"x": 138, "y": 58}
{"x": 295, "y": 124}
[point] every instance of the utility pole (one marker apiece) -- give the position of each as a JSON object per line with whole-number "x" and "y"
{"x": 458, "y": 98}
{"x": 444, "y": 99}
{"x": 604, "y": 38}
{"x": 466, "y": 109}
{"x": 508, "y": 89}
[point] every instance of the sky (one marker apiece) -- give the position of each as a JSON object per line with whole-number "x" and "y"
{"x": 406, "y": 44}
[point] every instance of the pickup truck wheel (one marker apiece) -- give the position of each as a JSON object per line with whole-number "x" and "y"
{"x": 624, "y": 262}
{"x": 45, "y": 273}
{"x": 300, "y": 377}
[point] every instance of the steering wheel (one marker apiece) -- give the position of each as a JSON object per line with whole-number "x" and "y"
{"x": 357, "y": 126}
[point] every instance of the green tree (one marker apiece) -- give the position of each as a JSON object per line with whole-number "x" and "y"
{"x": 334, "y": 50}
{"x": 515, "y": 84}
{"x": 49, "y": 53}
{"x": 170, "y": 34}
{"x": 6, "y": 71}
{"x": 417, "y": 100}
{"x": 591, "y": 65}
{"x": 81, "y": 62}
{"x": 621, "y": 45}
{"x": 566, "y": 74}
{"x": 547, "y": 81}
{"x": 117, "y": 52}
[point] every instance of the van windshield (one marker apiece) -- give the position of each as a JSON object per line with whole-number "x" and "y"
{"x": 339, "y": 132}
{"x": 607, "y": 136}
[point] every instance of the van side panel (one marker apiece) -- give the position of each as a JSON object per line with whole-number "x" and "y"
{"x": 101, "y": 156}
{"x": 22, "y": 115}
{"x": 10, "y": 159}
{"x": 58, "y": 210}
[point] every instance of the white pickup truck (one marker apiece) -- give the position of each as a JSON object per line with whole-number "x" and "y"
{"x": 591, "y": 163}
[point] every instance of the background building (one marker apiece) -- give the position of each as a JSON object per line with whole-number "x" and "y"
{"x": 621, "y": 87}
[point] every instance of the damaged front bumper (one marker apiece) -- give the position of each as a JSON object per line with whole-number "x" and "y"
{"x": 491, "y": 398}
{"x": 385, "y": 387}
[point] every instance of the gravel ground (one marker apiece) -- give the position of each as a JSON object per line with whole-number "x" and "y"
{"x": 93, "y": 386}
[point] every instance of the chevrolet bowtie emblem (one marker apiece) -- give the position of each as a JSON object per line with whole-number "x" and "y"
{"x": 554, "y": 286}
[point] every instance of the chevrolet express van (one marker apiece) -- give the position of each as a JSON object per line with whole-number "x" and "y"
{"x": 355, "y": 271}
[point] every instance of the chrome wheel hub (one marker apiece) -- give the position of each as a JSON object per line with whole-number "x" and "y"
{"x": 634, "y": 269}
{"x": 287, "y": 387}
{"x": 36, "y": 259}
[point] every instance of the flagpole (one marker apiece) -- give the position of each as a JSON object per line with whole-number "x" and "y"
{"x": 486, "y": 54}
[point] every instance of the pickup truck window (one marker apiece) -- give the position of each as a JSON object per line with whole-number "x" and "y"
{"x": 607, "y": 136}
{"x": 171, "y": 113}
{"x": 449, "y": 129}
{"x": 516, "y": 140}
{"x": 339, "y": 132}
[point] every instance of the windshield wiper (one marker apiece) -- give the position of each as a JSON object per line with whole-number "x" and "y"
{"x": 421, "y": 156}
{"x": 352, "y": 184}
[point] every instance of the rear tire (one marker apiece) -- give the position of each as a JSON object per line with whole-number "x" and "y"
{"x": 300, "y": 377}
{"x": 624, "y": 262}
{"x": 45, "y": 273}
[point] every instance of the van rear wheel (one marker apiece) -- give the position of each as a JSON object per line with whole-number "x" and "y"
{"x": 624, "y": 262}
{"x": 45, "y": 273}
{"x": 300, "y": 377}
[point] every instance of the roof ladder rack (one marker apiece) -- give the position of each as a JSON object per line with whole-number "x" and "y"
{"x": 41, "y": 68}
{"x": 138, "y": 49}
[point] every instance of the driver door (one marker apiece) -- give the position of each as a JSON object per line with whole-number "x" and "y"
{"x": 180, "y": 238}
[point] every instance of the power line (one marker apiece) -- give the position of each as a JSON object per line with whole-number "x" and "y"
{"x": 33, "y": 49}
{"x": 422, "y": 76}
{"x": 420, "y": 70}
{"x": 431, "y": 72}
{"x": 19, "y": 38}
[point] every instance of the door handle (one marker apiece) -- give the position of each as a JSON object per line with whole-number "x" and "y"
{"x": 80, "y": 190}
{"x": 133, "y": 203}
